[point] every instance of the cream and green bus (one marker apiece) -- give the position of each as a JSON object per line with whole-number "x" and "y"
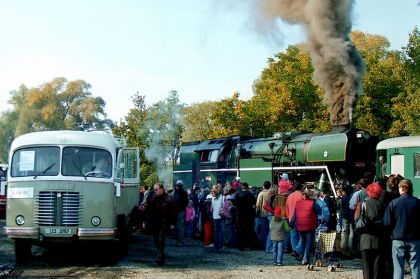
{"x": 69, "y": 186}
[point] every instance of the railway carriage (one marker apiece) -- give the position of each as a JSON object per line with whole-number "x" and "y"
{"x": 402, "y": 156}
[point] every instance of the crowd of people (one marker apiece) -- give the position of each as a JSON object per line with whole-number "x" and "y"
{"x": 377, "y": 221}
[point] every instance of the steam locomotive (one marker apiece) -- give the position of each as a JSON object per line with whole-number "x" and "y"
{"x": 326, "y": 160}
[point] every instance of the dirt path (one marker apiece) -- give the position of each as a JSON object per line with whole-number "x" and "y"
{"x": 189, "y": 261}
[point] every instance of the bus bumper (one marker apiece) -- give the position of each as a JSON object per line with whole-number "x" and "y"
{"x": 21, "y": 231}
{"x": 96, "y": 232}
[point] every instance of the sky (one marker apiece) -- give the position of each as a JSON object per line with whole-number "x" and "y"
{"x": 205, "y": 50}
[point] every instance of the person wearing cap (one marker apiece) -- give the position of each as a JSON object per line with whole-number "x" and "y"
{"x": 284, "y": 184}
{"x": 181, "y": 202}
{"x": 236, "y": 184}
{"x": 279, "y": 228}
{"x": 305, "y": 220}
{"x": 402, "y": 219}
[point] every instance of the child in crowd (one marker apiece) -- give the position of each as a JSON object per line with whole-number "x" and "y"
{"x": 279, "y": 229}
{"x": 189, "y": 219}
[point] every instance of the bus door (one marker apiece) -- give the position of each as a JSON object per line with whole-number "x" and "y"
{"x": 127, "y": 179}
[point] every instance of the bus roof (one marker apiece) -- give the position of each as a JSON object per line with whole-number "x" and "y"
{"x": 66, "y": 137}
{"x": 409, "y": 141}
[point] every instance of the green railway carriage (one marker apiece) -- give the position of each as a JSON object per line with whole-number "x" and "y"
{"x": 341, "y": 155}
{"x": 69, "y": 185}
{"x": 402, "y": 156}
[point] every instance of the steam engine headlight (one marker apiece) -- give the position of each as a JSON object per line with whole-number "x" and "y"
{"x": 20, "y": 220}
{"x": 95, "y": 221}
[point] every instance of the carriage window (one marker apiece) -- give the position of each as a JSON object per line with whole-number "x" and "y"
{"x": 209, "y": 156}
{"x": 214, "y": 154}
{"x": 36, "y": 161}
{"x": 417, "y": 165}
{"x": 86, "y": 161}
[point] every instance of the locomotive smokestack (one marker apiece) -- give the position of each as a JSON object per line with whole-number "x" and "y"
{"x": 338, "y": 65}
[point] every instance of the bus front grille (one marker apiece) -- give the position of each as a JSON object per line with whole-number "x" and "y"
{"x": 58, "y": 209}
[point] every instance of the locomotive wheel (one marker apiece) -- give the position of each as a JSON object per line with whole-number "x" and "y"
{"x": 339, "y": 265}
{"x": 310, "y": 267}
{"x": 331, "y": 268}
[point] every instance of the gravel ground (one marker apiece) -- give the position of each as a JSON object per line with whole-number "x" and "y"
{"x": 189, "y": 261}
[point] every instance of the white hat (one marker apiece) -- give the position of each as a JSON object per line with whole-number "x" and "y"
{"x": 285, "y": 176}
{"x": 179, "y": 182}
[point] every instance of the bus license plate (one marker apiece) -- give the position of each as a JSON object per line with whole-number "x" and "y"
{"x": 58, "y": 231}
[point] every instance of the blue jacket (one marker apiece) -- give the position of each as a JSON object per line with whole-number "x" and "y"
{"x": 402, "y": 218}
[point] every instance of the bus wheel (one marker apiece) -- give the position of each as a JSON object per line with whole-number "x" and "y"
{"x": 22, "y": 250}
{"x": 123, "y": 234}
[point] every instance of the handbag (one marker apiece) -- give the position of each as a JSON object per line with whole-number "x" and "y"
{"x": 267, "y": 207}
{"x": 224, "y": 209}
{"x": 361, "y": 223}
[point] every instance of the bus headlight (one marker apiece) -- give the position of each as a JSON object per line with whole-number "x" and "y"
{"x": 95, "y": 221}
{"x": 20, "y": 220}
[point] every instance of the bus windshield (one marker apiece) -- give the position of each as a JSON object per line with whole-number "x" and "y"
{"x": 36, "y": 161}
{"x": 86, "y": 162}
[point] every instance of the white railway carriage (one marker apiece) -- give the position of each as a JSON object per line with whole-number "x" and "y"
{"x": 402, "y": 156}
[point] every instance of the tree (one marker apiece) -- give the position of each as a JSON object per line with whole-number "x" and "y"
{"x": 406, "y": 106}
{"x": 55, "y": 105}
{"x": 227, "y": 117}
{"x": 286, "y": 97}
{"x": 197, "y": 121}
{"x": 59, "y": 105}
{"x": 162, "y": 132}
{"x": 382, "y": 83}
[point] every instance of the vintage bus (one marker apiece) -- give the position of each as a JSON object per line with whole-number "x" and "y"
{"x": 401, "y": 156}
{"x": 69, "y": 186}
